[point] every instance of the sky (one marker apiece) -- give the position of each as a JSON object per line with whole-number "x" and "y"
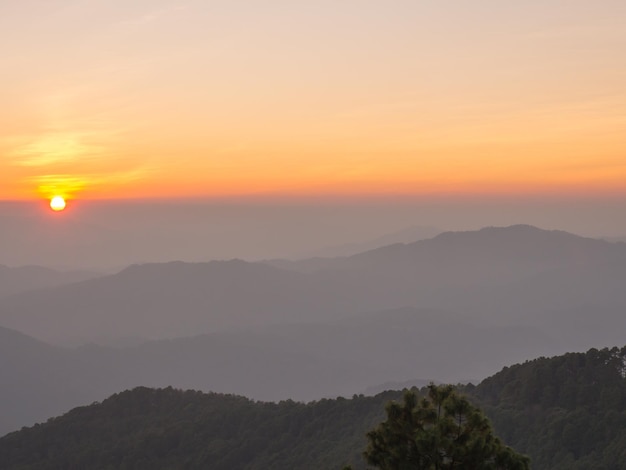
{"x": 114, "y": 99}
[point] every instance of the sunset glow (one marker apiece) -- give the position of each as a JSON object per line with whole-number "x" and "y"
{"x": 157, "y": 99}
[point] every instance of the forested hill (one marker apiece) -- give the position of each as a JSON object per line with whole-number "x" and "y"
{"x": 566, "y": 412}
{"x": 166, "y": 429}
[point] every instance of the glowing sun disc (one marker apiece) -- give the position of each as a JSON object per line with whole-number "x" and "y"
{"x": 57, "y": 203}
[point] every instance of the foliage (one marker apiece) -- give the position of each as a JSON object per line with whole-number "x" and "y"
{"x": 172, "y": 429}
{"x": 566, "y": 412}
{"x": 443, "y": 431}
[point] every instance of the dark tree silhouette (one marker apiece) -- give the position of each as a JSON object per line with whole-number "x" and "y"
{"x": 440, "y": 432}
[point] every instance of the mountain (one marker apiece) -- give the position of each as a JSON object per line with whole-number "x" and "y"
{"x": 492, "y": 254}
{"x": 569, "y": 286}
{"x": 518, "y": 275}
{"x": 168, "y": 428}
{"x": 28, "y": 278}
{"x": 32, "y": 380}
{"x": 615, "y": 239}
{"x": 297, "y": 361}
{"x": 168, "y": 300}
{"x": 565, "y": 412}
{"x": 407, "y": 235}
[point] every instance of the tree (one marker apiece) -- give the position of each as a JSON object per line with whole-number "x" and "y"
{"x": 440, "y": 432}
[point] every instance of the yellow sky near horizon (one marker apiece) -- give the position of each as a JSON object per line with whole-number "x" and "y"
{"x": 108, "y": 99}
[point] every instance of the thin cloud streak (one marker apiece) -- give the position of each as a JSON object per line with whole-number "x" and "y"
{"x": 56, "y": 148}
{"x": 71, "y": 184}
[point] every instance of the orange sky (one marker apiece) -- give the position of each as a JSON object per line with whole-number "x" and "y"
{"x": 112, "y": 99}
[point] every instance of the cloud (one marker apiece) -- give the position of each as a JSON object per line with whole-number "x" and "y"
{"x": 68, "y": 185}
{"x": 56, "y": 148}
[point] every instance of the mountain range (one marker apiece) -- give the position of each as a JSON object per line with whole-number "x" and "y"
{"x": 17, "y": 280}
{"x": 453, "y": 308}
{"x": 517, "y": 275}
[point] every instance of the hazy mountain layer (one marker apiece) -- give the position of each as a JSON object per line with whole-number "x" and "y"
{"x": 28, "y": 278}
{"x": 407, "y": 235}
{"x": 518, "y": 275}
{"x": 168, "y": 300}
{"x": 298, "y": 361}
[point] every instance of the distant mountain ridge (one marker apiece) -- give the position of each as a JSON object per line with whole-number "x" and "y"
{"x": 494, "y": 274}
{"x": 17, "y": 280}
{"x": 406, "y": 235}
{"x": 162, "y": 300}
{"x": 490, "y": 246}
{"x": 298, "y": 361}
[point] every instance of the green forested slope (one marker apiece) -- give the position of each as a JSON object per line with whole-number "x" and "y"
{"x": 565, "y": 412}
{"x": 166, "y": 428}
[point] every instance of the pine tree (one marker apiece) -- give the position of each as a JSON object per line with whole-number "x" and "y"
{"x": 440, "y": 432}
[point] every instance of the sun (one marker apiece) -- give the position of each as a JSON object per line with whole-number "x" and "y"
{"x": 57, "y": 203}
